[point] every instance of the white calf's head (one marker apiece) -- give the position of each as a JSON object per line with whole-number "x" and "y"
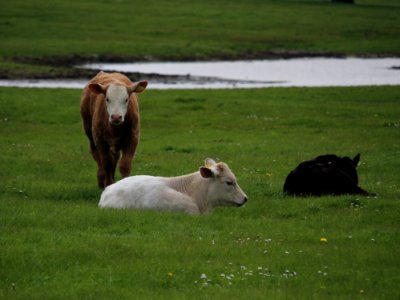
{"x": 117, "y": 98}
{"x": 223, "y": 188}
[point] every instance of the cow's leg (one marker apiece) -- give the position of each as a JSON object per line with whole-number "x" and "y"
{"x": 87, "y": 125}
{"x": 109, "y": 161}
{"x": 115, "y": 158}
{"x": 100, "y": 170}
{"x": 125, "y": 164}
{"x": 107, "y": 165}
{"x": 128, "y": 153}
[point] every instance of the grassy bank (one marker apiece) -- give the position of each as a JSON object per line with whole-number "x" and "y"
{"x": 56, "y": 243}
{"x": 60, "y": 33}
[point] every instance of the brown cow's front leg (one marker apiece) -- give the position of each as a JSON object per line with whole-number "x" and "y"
{"x": 103, "y": 171}
{"x": 108, "y": 168}
{"x": 101, "y": 178}
{"x": 110, "y": 161}
{"x": 100, "y": 170}
{"x": 125, "y": 164}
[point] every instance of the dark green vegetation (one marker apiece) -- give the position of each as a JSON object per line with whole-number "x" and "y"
{"x": 38, "y": 37}
{"x": 55, "y": 242}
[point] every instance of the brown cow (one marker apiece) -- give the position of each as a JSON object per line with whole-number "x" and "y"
{"x": 110, "y": 115}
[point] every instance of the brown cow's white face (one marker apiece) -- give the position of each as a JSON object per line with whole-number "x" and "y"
{"x": 223, "y": 188}
{"x": 117, "y": 99}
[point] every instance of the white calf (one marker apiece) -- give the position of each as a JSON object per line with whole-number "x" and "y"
{"x": 213, "y": 185}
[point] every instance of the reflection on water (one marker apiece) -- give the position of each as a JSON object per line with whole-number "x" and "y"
{"x": 308, "y": 72}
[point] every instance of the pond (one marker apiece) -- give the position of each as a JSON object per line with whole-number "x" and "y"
{"x": 299, "y": 72}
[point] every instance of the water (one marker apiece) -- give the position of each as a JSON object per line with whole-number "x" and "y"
{"x": 302, "y": 72}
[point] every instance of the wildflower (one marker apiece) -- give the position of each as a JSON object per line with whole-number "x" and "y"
{"x": 170, "y": 274}
{"x": 323, "y": 240}
{"x": 203, "y": 276}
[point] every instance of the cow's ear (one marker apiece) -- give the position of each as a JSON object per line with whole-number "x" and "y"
{"x": 209, "y": 162}
{"x": 97, "y": 88}
{"x": 356, "y": 159}
{"x": 138, "y": 87}
{"x": 206, "y": 172}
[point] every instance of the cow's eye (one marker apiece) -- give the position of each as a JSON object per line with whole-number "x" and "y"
{"x": 126, "y": 100}
{"x": 108, "y": 100}
{"x": 229, "y": 182}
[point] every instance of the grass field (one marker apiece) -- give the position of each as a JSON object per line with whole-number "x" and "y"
{"x": 57, "y": 244}
{"x": 59, "y": 32}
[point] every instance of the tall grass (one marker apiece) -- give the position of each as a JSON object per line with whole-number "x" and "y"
{"x": 56, "y": 243}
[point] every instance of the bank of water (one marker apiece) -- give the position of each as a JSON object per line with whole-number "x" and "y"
{"x": 301, "y": 72}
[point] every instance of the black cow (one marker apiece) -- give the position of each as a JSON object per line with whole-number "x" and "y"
{"x": 325, "y": 175}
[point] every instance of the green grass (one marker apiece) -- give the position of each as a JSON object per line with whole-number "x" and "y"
{"x": 190, "y": 29}
{"x": 57, "y": 244}
{"x": 50, "y": 30}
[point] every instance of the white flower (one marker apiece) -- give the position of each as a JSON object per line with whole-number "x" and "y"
{"x": 203, "y": 276}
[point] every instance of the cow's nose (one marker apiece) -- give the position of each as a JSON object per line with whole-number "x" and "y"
{"x": 116, "y": 119}
{"x": 244, "y": 201}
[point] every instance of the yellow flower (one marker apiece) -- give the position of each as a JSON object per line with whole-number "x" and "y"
{"x": 170, "y": 274}
{"x": 323, "y": 240}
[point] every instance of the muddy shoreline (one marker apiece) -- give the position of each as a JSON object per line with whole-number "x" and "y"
{"x": 56, "y": 67}
{"x": 63, "y": 67}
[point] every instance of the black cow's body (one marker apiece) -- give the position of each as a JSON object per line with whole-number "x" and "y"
{"x": 325, "y": 175}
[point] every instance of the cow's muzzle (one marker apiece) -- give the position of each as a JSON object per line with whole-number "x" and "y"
{"x": 116, "y": 119}
{"x": 243, "y": 202}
